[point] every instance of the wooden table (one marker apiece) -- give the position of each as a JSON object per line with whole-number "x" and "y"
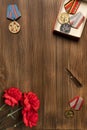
{"x": 35, "y": 60}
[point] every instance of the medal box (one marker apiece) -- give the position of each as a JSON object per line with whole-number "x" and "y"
{"x": 71, "y": 18}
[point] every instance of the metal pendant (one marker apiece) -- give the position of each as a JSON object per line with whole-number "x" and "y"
{"x": 14, "y": 27}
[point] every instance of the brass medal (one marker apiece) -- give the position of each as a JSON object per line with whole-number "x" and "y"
{"x": 69, "y": 114}
{"x": 63, "y": 18}
{"x": 14, "y": 27}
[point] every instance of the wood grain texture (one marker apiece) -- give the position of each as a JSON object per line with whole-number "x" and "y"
{"x": 35, "y": 60}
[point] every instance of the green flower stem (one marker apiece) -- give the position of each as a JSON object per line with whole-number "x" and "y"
{"x": 10, "y": 114}
{"x": 2, "y": 107}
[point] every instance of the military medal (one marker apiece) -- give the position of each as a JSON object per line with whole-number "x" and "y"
{"x": 13, "y": 14}
{"x": 65, "y": 28}
{"x": 14, "y": 27}
{"x": 63, "y": 18}
{"x": 69, "y": 113}
{"x": 75, "y": 104}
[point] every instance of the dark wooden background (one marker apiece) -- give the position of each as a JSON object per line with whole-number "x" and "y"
{"x": 35, "y": 60}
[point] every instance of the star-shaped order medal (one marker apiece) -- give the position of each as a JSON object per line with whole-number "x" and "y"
{"x": 74, "y": 104}
{"x": 13, "y": 14}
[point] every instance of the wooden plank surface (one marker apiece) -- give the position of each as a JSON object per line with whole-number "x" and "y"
{"x": 35, "y": 60}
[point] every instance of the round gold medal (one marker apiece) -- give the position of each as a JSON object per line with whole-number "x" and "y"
{"x": 63, "y": 18}
{"x": 69, "y": 114}
{"x": 14, "y": 27}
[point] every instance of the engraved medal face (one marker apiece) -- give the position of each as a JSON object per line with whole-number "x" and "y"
{"x": 63, "y": 18}
{"x": 65, "y": 28}
{"x": 69, "y": 114}
{"x": 14, "y": 27}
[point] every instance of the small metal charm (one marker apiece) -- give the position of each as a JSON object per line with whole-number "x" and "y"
{"x": 14, "y": 27}
{"x": 63, "y": 18}
{"x": 65, "y": 28}
{"x": 69, "y": 114}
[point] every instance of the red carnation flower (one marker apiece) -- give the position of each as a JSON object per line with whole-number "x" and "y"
{"x": 30, "y": 100}
{"x": 12, "y": 96}
{"x": 30, "y": 118}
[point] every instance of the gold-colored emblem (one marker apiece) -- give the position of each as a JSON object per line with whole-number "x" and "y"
{"x": 63, "y": 18}
{"x": 14, "y": 27}
{"x": 69, "y": 114}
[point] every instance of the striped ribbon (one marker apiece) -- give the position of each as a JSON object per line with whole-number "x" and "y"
{"x": 76, "y": 20}
{"x": 12, "y": 12}
{"x": 72, "y": 6}
{"x": 76, "y": 103}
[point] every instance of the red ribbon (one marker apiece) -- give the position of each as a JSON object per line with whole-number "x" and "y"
{"x": 72, "y": 6}
{"x": 76, "y": 103}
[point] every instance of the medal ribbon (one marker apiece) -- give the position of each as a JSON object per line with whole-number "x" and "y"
{"x": 72, "y": 6}
{"x": 12, "y": 12}
{"x": 68, "y": 5}
{"x": 76, "y": 20}
{"x": 76, "y": 103}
